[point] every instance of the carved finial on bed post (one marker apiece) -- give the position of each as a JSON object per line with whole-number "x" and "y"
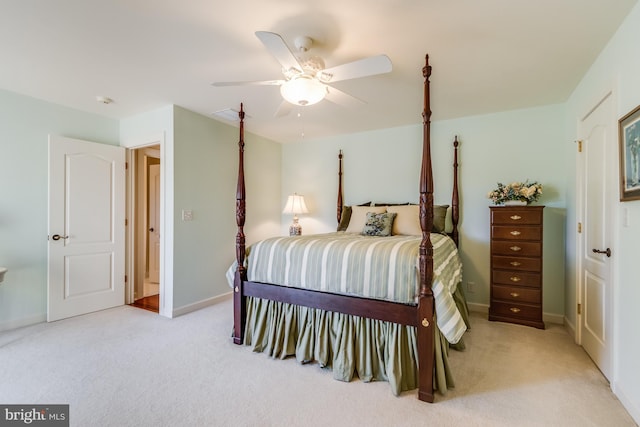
{"x": 426, "y": 70}
{"x": 239, "y": 308}
{"x": 339, "y": 204}
{"x": 455, "y": 210}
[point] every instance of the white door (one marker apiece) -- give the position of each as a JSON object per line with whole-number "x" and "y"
{"x": 154, "y": 223}
{"x": 86, "y": 227}
{"x": 596, "y": 175}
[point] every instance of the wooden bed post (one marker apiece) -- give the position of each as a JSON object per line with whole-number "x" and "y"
{"x": 239, "y": 306}
{"x": 455, "y": 212}
{"x": 339, "y": 204}
{"x": 425, "y": 321}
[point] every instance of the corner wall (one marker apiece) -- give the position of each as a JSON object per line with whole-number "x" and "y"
{"x": 206, "y": 170}
{"x": 617, "y": 68}
{"x": 201, "y": 163}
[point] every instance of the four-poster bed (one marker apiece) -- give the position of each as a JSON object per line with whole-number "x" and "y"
{"x": 411, "y": 324}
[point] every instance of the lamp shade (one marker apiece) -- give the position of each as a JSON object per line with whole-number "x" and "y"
{"x": 295, "y": 205}
{"x": 303, "y": 90}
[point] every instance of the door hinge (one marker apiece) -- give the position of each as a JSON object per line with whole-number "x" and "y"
{"x": 579, "y": 308}
{"x": 126, "y": 165}
{"x": 126, "y": 222}
{"x": 579, "y": 142}
{"x": 125, "y": 278}
{"x": 579, "y": 227}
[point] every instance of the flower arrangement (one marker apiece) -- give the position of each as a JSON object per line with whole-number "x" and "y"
{"x": 524, "y": 191}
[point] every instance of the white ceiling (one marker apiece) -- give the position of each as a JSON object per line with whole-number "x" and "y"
{"x": 487, "y": 55}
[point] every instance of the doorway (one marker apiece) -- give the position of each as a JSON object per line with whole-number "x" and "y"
{"x": 146, "y": 227}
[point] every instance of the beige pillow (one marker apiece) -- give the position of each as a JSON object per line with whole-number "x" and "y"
{"x": 407, "y": 220}
{"x": 359, "y": 217}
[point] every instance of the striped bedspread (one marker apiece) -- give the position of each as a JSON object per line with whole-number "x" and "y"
{"x": 383, "y": 268}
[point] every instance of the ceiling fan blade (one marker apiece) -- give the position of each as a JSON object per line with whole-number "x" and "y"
{"x": 284, "y": 109}
{"x": 279, "y": 49}
{"x": 250, "y": 83}
{"x": 342, "y": 98}
{"x": 373, "y": 65}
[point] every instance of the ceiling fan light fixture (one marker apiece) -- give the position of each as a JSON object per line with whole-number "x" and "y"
{"x": 303, "y": 90}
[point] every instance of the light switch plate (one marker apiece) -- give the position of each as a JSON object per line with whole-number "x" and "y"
{"x": 187, "y": 215}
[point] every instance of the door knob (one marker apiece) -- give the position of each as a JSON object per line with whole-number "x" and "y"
{"x": 151, "y": 229}
{"x": 607, "y": 252}
{"x": 58, "y": 237}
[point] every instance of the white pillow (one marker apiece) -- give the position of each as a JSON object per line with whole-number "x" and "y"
{"x": 407, "y": 220}
{"x": 359, "y": 217}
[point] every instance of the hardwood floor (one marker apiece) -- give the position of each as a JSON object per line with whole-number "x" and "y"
{"x": 151, "y": 303}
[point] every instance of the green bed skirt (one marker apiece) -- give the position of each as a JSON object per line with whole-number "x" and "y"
{"x": 349, "y": 345}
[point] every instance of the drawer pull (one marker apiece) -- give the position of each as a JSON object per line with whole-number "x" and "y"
{"x": 514, "y": 294}
{"x": 515, "y": 278}
{"x": 515, "y": 217}
{"x": 515, "y": 248}
{"x": 515, "y": 263}
{"x": 515, "y": 310}
{"x": 515, "y": 233}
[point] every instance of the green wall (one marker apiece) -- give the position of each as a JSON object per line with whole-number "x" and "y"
{"x": 385, "y": 166}
{"x": 25, "y": 124}
{"x": 206, "y": 170}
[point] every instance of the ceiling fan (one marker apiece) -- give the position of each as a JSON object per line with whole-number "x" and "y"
{"x": 306, "y": 80}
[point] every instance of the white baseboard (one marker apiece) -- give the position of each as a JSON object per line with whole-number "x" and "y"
{"x": 25, "y": 321}
{"x": 547, "y": 317}
{"x": 571, "y": 328}
{"x": 478, "y": 308}
{"x": 28, "y": 321}
{"x": 632, "y": 407}
{"x": 553, "y": 318}
{"x": 201, "y": 304}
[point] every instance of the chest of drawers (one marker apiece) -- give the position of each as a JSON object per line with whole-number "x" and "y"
{"x": 516, "y": 265}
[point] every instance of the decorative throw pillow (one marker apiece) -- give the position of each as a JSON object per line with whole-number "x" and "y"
{"x": 359, "y": 217}
{"x": 378, "y": 224}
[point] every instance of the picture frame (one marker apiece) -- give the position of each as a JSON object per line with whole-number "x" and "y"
{"x": 629, "y": 139}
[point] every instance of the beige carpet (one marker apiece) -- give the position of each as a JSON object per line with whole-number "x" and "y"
{"x": 131, "y": 367}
